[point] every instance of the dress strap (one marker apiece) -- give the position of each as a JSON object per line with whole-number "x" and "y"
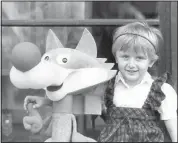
{"x": 108, "y": 97}
{"x": 156, "y": 96}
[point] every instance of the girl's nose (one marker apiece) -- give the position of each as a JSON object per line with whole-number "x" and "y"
{"x": 131, "y": 63}
{"x": 25, "y": 56}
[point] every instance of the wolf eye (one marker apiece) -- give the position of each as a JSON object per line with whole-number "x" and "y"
{"x": 47, "y": 58}
{"x": 64, "y": 60}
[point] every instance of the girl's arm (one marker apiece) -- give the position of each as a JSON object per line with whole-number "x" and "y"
{"x": 171, "y": 126}
{"x": 168, "y": 110}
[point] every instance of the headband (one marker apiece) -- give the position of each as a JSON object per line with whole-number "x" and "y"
{"x": 136, "y": 35}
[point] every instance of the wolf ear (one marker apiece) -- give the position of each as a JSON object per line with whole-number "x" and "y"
{"x": 52, "y": 42}
{"x": 87, "y": 44}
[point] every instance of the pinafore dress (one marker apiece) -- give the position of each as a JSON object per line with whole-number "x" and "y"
{"x": 134, "y": 124}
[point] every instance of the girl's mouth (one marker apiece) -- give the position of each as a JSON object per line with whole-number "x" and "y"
{"x": 131, "y": 71}
{"x": 53, "y": 88}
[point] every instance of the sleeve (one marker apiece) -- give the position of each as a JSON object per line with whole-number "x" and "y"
{"x": 168, "y": 108}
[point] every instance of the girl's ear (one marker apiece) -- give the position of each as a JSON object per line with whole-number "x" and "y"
{"x": 153, "y": 60}
{"x": 151, "y": 63}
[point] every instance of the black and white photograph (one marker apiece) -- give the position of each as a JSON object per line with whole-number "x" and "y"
{"x": 88, "y": 71}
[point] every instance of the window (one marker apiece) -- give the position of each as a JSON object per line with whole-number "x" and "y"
{"x": 30, "y": 21}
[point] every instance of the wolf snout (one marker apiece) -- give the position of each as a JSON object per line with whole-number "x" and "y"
{"x": 25, "y": 56}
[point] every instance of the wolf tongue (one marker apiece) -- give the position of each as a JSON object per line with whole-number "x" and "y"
{"x": 54, "y": 87}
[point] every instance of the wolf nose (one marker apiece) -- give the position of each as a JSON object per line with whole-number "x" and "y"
{"x": 25, "y": 56}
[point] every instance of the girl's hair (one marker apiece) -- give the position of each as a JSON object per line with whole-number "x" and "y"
{"x": 140, "y": 37}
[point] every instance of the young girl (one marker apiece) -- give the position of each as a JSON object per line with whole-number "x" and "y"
{"x": 135, "y": 102}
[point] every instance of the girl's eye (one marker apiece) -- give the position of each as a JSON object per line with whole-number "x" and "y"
{"x": 47, "y": 58}
{"x": 125, "y": 56}
{"x": 140, "y": 58}
{"x": 64, "y": 60}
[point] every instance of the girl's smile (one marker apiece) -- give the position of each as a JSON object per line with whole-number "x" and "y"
{"x": 132, "y": 71}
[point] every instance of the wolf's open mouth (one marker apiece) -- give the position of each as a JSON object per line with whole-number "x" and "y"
{"x": 53, "y": 88}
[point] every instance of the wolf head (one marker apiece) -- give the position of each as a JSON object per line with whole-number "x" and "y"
{"x": 62, "y": 71}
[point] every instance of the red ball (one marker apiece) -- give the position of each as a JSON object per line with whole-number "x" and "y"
{"x": 25, "y": 56}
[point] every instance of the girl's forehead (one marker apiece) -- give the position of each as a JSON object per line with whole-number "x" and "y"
{"x": 133, "y": 51}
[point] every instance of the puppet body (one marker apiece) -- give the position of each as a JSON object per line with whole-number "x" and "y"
{"x": 65, "y": 74}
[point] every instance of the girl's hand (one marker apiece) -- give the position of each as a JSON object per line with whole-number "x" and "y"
{"x": 36, "y": 100}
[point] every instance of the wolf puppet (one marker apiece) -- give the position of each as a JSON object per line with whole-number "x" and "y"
{"x": 72, "y": 78}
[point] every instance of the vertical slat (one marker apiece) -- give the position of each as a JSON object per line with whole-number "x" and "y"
{"x": 88, "y": 10}
{"x": 81, "y": 120}
{"x": 0, "y": 65}
{"x": 33, "y": 37}
{"x": 166, "y": 61}
{"x": 174, "y": 42}
{"x": 164, "y": 11}
{"x": 88, "y": 15}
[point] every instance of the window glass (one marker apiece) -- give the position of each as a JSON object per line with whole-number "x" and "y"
{"x": 12, "y": 98}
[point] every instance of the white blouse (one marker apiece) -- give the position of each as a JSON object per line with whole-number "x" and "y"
{"x": 134, "y": 97}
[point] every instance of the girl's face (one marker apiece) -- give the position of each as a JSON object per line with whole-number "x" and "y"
{"x": 133, "y": 65}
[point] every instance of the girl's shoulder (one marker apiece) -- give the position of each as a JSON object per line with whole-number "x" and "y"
{"x": 161, "y": 93}
{"x": 164, "y": 78}
{"x": 169, "y": 104}
{"x": 166, "y": 85}
{"x": 169, "y": 91}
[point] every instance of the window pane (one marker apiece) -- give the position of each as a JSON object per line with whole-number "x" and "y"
{"x": 79, "y": 10}
{"x": 125, "y": 10}
{"x": 45, "y": 10}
